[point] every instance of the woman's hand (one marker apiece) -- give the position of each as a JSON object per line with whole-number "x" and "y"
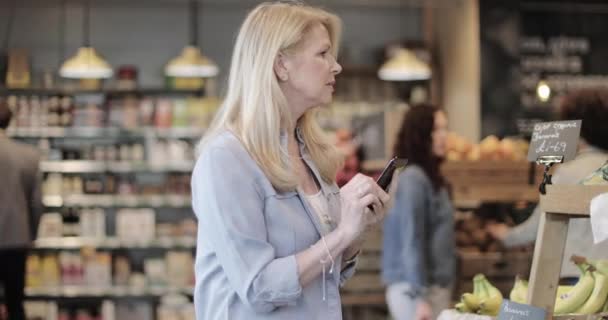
{"x": 360, "y": 192}
{"x": 423, "y": 311}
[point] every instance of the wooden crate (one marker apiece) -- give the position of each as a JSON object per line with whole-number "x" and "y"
{"x": 490, "y": 172}
{"x": 475, "y": 182}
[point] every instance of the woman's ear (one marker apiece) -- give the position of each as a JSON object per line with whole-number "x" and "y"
{"x": 280, "y": 69}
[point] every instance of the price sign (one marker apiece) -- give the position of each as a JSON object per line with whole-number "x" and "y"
{"x": 510, "y": 310}
{"x": 559, "y": 138}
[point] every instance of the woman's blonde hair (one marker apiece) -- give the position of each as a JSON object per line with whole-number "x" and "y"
{"x": 255, "y": 109}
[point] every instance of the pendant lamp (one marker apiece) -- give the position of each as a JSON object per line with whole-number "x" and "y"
{"x": 86, "y": 64}
{"x": 191, "y": 63}
{"x": 404, "y": 65}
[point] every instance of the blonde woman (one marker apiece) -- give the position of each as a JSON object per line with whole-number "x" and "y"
{"x": 276, "y": 236}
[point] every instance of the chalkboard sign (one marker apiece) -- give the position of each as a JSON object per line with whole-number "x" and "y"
{"x": 559, "y": 138}
{"x": 510, "y": 310}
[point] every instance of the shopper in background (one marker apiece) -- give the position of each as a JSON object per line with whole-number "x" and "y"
{"x": 276, "y": 236}
{"x": 418, "y": 258}
{"x": 591, "y": 106}
{"x": 20, "y": 210}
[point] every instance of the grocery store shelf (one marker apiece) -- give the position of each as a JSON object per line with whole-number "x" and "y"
{"x": 113, "y": 243}
{"x": 103, "y": 292}
{"x": 105, "y": 132}
{"x": 110, "y": 200}
{"x": 86, "y": 166}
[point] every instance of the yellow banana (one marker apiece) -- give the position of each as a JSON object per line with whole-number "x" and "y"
{"x": 575, "y": 298}
{"x": 519, "y": 292}
{"x": 462, "y": 307}
{"x": 598, "y": 296}
{"x": 471, "y": 301}
{"x": 491, "y": 304}
{"x": 478, "y": 288}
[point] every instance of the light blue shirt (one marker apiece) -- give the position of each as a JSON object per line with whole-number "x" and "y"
{"x": 248, "y": 236}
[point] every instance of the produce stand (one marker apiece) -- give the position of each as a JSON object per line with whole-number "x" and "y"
{"x": 559, "y": 205}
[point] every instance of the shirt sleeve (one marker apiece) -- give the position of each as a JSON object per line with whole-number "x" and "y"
{"x": 524, "y": 233}
{"x": 229, "y": 208}
{"x": 412, "y": 208}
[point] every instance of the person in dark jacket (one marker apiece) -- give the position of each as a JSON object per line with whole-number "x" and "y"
{"x": 20, "y": 210}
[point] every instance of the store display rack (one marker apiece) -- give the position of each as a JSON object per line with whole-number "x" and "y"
{"x": 559, "y": 205}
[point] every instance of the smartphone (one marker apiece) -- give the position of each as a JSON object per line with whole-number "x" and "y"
{"x": 387, "y": 174}
{"x": 384, "y": 181}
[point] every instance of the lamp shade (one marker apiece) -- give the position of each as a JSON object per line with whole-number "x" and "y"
{"x": 191, "y": 64}
{"x": 86, "y": 64}
{"x": 404, "y": 66}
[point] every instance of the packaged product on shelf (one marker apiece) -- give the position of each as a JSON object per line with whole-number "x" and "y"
{"x": 180, "y": 272}
{"x": 156, "y": 272}
{"x": 163, "y": 117}
{"x": 122, "y": 270}
{"x": 134, "y": 310}
{"x": 142, "y": 220}
{"x": 47, "y": 310}
{"x": 130, "y": 113}
{"x": 50, "y": 225}
{"x": 33, "y": 271}
{"x": 175, "y": 307}
{"x": 71, "y": 268}
{"x": 51, "y": 273}
{"x": 52, "y": 184}
{"x": 180, "y": 113}
{"x": 146, "y": 112}
{"x": 98, "y": 269}
{"x": 93, "y": 223}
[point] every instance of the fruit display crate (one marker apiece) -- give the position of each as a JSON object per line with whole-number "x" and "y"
{"x": 475, "y": 182}
{"x": 559, "y": 205}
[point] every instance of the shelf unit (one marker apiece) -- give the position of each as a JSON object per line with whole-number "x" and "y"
{"x": 169, "y": 208}
{"x": 559, "y": 205}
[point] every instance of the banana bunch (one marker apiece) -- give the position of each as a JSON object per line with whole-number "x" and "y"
{"x": 519, "y": 293}
{"x": 588, "y": 296}
{"x": 485, "y": 299}
{"x": 596, "y": 301}
{"x": 575, "y": 298}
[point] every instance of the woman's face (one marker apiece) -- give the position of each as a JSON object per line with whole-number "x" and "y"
{"x": 311, "y": 71}
{"x": 439, "y": 134}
